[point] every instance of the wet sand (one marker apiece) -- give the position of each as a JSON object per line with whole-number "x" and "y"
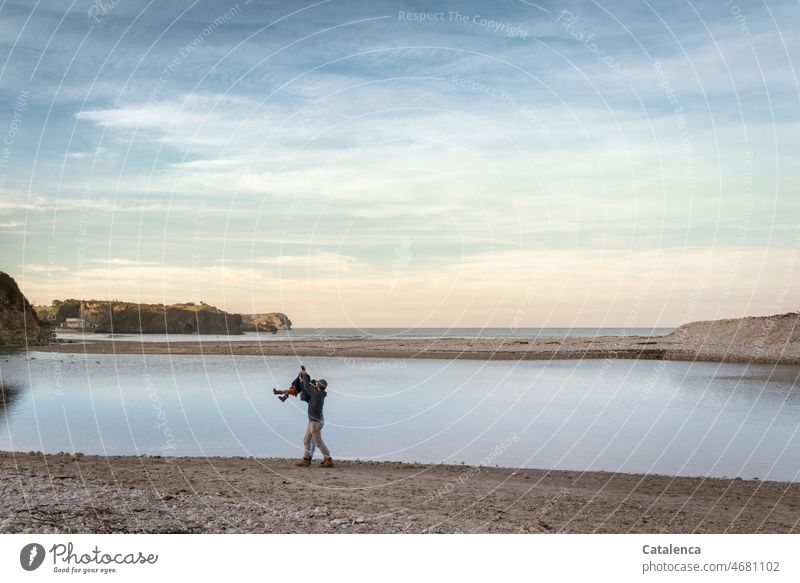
{"x": 62, "y": 493}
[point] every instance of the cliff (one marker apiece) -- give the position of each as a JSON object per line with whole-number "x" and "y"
{"x": 132, "y": 318}
{"x": 129, "y": 318}
{"x": 19, "y": 324}
{"x": 270, "y": 322}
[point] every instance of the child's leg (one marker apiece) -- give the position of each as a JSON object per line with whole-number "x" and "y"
{"x": 290, "y": 391}
{"x": 282, "y": 395}
{"x": 286, "y": 393}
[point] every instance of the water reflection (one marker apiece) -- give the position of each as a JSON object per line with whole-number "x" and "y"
{"x": 9, "y": 395}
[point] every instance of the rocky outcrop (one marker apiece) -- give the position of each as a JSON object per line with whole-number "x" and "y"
{"x": 19, "y": 324}
{"x": 270, "y": 322}
{"x": 130, "y": 318}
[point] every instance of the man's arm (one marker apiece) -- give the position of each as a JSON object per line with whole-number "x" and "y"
{"x": 303, "y": 395}
{"x": 306, "y": 386}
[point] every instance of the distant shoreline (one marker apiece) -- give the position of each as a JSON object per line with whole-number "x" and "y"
{"x": 756, "y": 340}
{"x": 604, "y": 347}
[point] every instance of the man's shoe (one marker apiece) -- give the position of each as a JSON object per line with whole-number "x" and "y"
{"x": 303, "y": 463}
{"x": 327, "y": 463}
{"x": 276, "y": 392}
{"x": 283, "y": 398}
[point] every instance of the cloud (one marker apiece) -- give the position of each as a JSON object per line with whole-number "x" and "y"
{"x": 211, "y": 164}
{"x": 195, "y": 122}
{"x": 313, "y": 262}
{"x": 123, "y": 262}
{"x": 88, "y": 155}
{"x": 36, "y": 268}
{"x": 13, "y": 200}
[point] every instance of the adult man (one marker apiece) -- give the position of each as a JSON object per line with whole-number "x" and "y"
{"x": 315, "y": 393}
{"x": 295, "y": 389}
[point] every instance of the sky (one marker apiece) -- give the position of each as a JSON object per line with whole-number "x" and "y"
{"x": 406, "y": 164}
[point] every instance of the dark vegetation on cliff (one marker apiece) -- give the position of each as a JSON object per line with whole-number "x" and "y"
{"x": 126, "y": 318}
{"x": 19, "y": 324}
{"x": 131, "y": 318}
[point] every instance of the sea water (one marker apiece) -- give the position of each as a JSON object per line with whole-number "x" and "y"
{"x": 677, "y": 418}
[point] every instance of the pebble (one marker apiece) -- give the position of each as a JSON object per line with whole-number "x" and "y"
{"x": 34, "y": 504}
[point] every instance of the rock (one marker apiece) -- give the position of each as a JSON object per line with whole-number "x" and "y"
{"x": 269, "y": 322}
{"x": 19, "y": 324}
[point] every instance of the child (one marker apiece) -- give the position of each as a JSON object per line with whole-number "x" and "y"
{"x": 295, "y": 388}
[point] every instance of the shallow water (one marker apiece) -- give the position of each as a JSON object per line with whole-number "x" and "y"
{"x": 657, "y": 417}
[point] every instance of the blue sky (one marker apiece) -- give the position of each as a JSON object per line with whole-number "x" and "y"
{"x": 409, "y": 164}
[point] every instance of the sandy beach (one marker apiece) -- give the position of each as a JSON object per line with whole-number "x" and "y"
{"x": 64, "y": 493}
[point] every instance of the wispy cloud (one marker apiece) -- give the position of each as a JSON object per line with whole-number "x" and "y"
{"x": 123, "y": 262}
{"x": 315, "y": 262}
{"x": 89, "y": 154}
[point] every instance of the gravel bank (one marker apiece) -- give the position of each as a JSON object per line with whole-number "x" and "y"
{"x": 62, "y": 493}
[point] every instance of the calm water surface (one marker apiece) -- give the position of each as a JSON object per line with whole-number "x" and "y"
{"x": 657, "y": 417}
